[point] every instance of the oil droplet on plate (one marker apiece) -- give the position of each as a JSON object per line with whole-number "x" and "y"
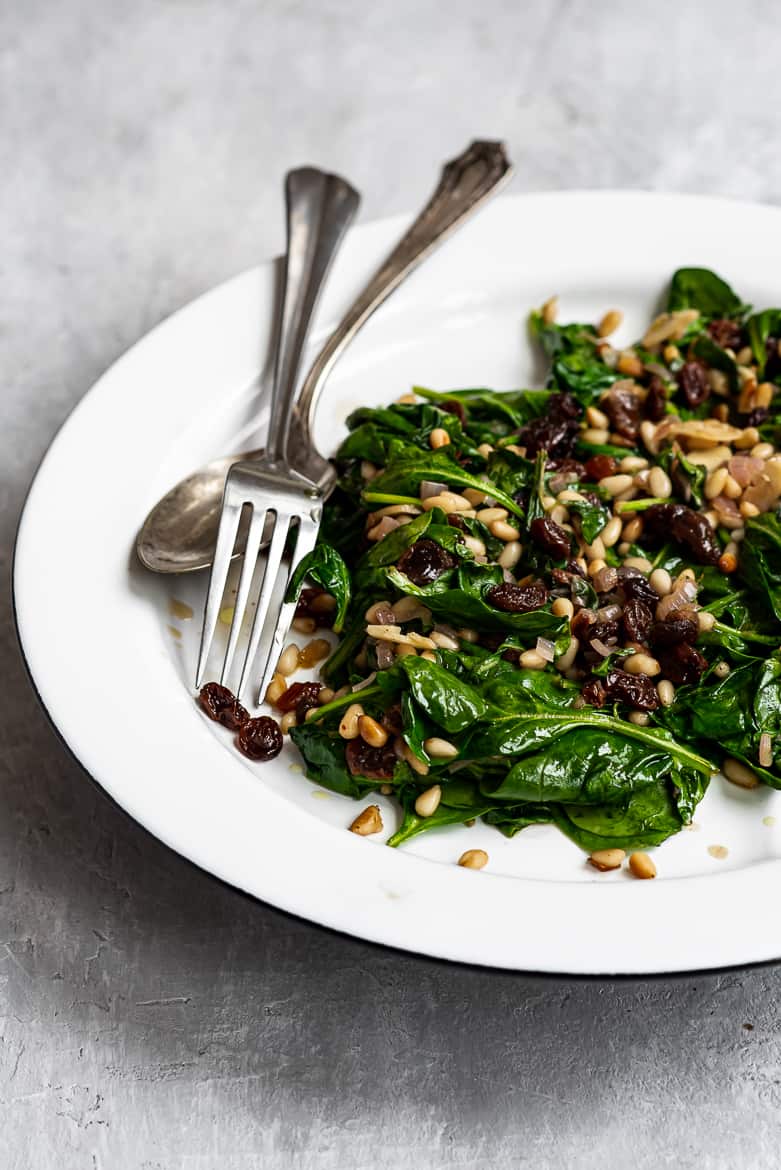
{"x": 226, "y": 615}
{"x": 718, "y": 851}
{"x": 295, "y": 768}
{"x": 174, "y": 632}
{"x": 320, "y": 795}
{"x": 180, "y": 610}
{"x": 769, "y": 821}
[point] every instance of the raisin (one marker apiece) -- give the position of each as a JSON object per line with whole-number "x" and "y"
{"x": 556, "y": 431}
{"x": 680, "y": 481}
{"x": 456, "y": 521}
{"x": 373, "y": 763}
{"x": 726, "y": 333}
{"x": 636, "y": 620}
{"x": 318, "y": 604}
{"x": 623, "y": 408}
{"x": 550, "y": 537}
{"x": 662, "y": 521}
{"x": 222, "y": 705}
{"x": 655, "y": 399}
{"x": 425, "y": 561}
{"x": 574, "y": 569}
{"x": 568, "y": 467}
{"x": 453, "y": 406}
{"x": 512, "y": 654}
{"x": 517, "y": 598}
{"x": 260, "y": 738}
{"x": 637, "y": 690}
{"x": 693, "y": 381}
{"x": 582, "y": 624}
{"x": 392, "y": 720}
{"x": 299, "y": 696}
{"x": 491, "y": 640}
{"x": 635, "y": 587}
{"x": 599, "y": 466}
{"x": 674, "y": 630}
{"x": 682, "y": 664}
{"x": 757, "y": 416}
{"x": 594, "y": 693}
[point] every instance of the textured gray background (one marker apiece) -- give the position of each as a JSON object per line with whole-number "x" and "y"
{"x": 150, "y": 1017}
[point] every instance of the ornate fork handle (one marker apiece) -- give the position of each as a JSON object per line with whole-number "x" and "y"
{"x": 465, "y": 184}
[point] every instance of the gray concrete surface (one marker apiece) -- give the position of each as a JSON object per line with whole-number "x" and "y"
{"x": 150, "y": 1017}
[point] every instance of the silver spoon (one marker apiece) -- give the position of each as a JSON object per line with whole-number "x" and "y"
{"x": 179, "y": 534}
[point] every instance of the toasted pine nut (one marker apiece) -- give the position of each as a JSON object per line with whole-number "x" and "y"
{"x": 473, "y": 859}
{"x": 749, "y": 438}
{"x": 595, "y": 550}
{"x": 531, "y": 660}
{"x": 748, "y": 509}
{"x": 314, "y": 651}
{"x": 348, "y": 727}
{"x": 728, "y": 562}
{"x": 597, "y": 418}
{"x": 444, "y": 641}
{"x": 671, "y": 353}
{"x": 763, "y": 395}
{"x": 440, "y": 749}
{"x": 428, "y": 802}
{"x": 765, "y": 754}
{"x": 614, "y": 485}
{"x": 304, "y": 625}
{"x": 288, "y": 660}
{"x": 485, "y": 449}
{"x": 467, "y": 635}
{"x": 605, "y": 859}
{"x": 275, "y": 688}
{"x": 406, "y": 609}
{"x": 488, "y": 515}
{"x": 666, "y": 692}
{"x": 737, "y": 773}
{"x": 474, "y": 496}
{"x": 419, "y": 766}
{"x": 563, "y": 607}
{"x": 731, "y": 489}
{"x": 325, "y": 696}
{"x": 640, "y": 718}
{"x": 661, "y": 581}
{"x": 403, "y": 650}
{"x": 371, "y": 731}
{"x": 429, "y": 655}
{"x": 475, "y": 545}
{"x": 550, "y": 310}
{"x": 648, "y": 434}
{"x": 504, "y": 531}
{"x": 595, "y": 436}
{"x": 367, "y": 822}
{"x": 705, "y": 621}
{"x": 439, "y": 438}
{"x": 632, "y": 529}
{"x": 722, "y": 669}
{"x": 642, "y": 664}
{"x": 611, "y": 533}
{"x": 447, "y": 501}
{"x": 763, "y": 450}
{"x": 565, "y": 660}
{"x": 629, "y": 364}
{"x": 641, "y": 865}
{"x": 714, "y": 483}
{"x": 510, "y": 554}
{"x": 380, "y": 613}
{"x": 610, "y": 322}
{"x": 288, "y": 720}
{"x": 596, "y": 566}
{"x": 407, "y": 400}
{"x": 659, "y": 483}
{"x": 368, "y": 470}
{"x": 559, "y": 514}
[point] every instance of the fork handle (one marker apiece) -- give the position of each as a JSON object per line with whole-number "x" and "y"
{"x": 320, "y": 208}
{"x": 466, "y": 182}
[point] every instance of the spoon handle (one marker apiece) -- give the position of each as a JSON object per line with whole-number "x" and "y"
{"x": 466, "y": 182}
{"x": 320, "y": 208}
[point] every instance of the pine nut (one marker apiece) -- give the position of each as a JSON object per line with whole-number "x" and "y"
{"x": 597, "y": 418}
{"x": 632, "y": 529}
{"x": 642, "y": 664}
{"x": 661, "y": 581}
{"x": 749, "y": 438}
{"x": 595, "y": 436}
{"x": 407, "y": 400}
{"x": 666, "y": 692}
{"x": 440, "y": 749}
{"x": 314, "y": 651}
{"x": 773, "y": 470}
{"x": 705, "y": 621}
{"x": 485, "y": 450}
{"x": 467, "y": 635}
{"x": 728, "y": 562}
{"x": 380, "y": 613}
{"x": 549, "y": 310}
{"x": 671, "y": 353}
{"x": 288, "y": 720}
{"x": 563, "y": 607}
{"x": 648, "y": 434}
{"x": 439, "y": 438}
{"x": 596, "y": 566}
{"x": 748, "y": 509}
{"x": 641, "y": 563}
{"x": 610, "y": 322}
{"x": 510, "y": 554}
{"x": 731, "y": 489}
{"x": 428, "y": 802}
{"x": 488, "y": 515}
{"x": 407, "y": 609}
{"x": 738, "y": 773}
{"x": 444, "y": 641}
{"x": 559, "y": 514}
{"x": 605, "y": 859}
{"x": 712, "y": 518}
{"x": 348, "y": 727}
{"x": 624, "y": 548}
{"x": 531, "y": 660}
{"x": 565, "y": 660}
{"x": 641, "y": 865}
{"x": 640, "y": 718}
{"x": 474, "y": 496}
{"x": 765, "y": 754}
{"x": 611, "y": 533}
{"x": 763, "y": 450}
{"x": 594, "y": 550}
{"x": 386, "y": 525}
{"x": 325, "y": 696}
{"x": 629, "y": 364}
{"x": 367, "y": 822}
{"x": 304, "y": 625}
{"x": 722, "y": 669}
{"x": 503, "y": 531}
{"x": 614, "y": 485}
{"x": 548, "y": 502}
{"x": 763, "y": 395}
{"x": 312, "y": 713}
{"x": 288, "y": 660}
{"x": 368, "y": 470}
{"x": 447, "y": 501}
{"x": 371, "y": 731}
{"x": 403, "y": 650}
{"x": 275, "y": 688}
{"x": 475, "y": 545}
{"x": 473, "y": 859}
{"x": 710, "y": 458}
{"x": 633, "y": 463}
{"x": 429, "y": 655}
{"x": 659, "y": 483}
{"x": 683, "y": 576}
{"x": 419, "y": 766}
{"x": 714, "y": 483}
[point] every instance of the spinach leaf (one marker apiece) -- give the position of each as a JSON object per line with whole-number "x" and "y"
{"x": 593, "y": 518}
{"x": 713, "y": 355}
{"x": 324, "y": 566}
{"x": 448, "y": 701}
{"x": 575, "y": 363}
{"x": 760, "y": 560}
{"x": 699, "y": 288}
{"x": 649, "y": 817}
{"x": 407, "y": 470}
{"x": 460, "y": 802}
{"x": 760, "y": 326}
{"x": 323, "y": 752}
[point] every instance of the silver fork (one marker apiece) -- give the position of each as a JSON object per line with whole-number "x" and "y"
{"x": 286, "y": 507}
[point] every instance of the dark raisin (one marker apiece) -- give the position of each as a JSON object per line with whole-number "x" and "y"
{"x": 297, "y": 693}
{"x": 680, "y": 481}
{"x": 222, "y": 705}
{"x": 693, "y": 381}
{"x": 316, "y": 603}
{"x": 635, "y": 587}
{"x": 392, "y": 721}
{"x": 453, "y": 406}
{"x": 373, "y": 763}
{"x": 757, "y": 416}
{"x": 517, "y": 598}
{"x": 637, "y": 690}
{"x": 575, "y": 569}
{"x": 550, "y": 537}
{"x": 655, "y": 399}
{"x": 598, "y": 466}
{"x": 582, "y": 624}
{"x": 556, "y": 431}
{"x": 663, "y": 521}
{"x": 456, "y": 521}
{"x": 682, "y": 664}
{"x": 594, "y": 693}
{"x": 512, "y": 654}
{"x": 623, "y": 407}
{"x": 726, "y": 333}
{"x": 673, "y": 631}
{"x": 425, "y": 561}
{"x": 490, "y": 640}
{"x": 569, "y": 467}
{"x": 636, "y": 620}
{"x": 260, "y": 738}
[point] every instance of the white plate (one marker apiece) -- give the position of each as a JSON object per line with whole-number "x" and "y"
{"x": 97, "y": 633}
